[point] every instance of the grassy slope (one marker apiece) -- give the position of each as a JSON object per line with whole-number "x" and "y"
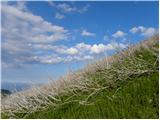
{"x": 136, "y": 99}
{"x": 130, "y": 94}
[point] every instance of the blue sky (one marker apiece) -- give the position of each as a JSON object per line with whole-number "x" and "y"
{"x": 43, "y": 40}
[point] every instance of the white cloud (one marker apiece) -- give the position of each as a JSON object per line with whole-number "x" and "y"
{"x": 48, "y": 59}
{"x": 28, "y": 25}
{"x": 134, "y": 30}
{"x": 78, "y": 52}
{"x": 83, "y": 46}
{"x": 98, "y": 48}
{"x": 59, "y": 16}
{"x": 118, "y": 46}
{"x": 66, "y": 7}
{"x": 137, "y": 29}
{"x": 86, "y": 33}
{"x": 147, "y": 32}
{"x": 72, "y": 51}
{"x": 21, "y": 29}
{"x": 53, "y": 59}
{"x": 119, "y": 34}
{"x": 78, "y": 58}
{"x": 88, "y": 57}
{"x": 141, "y": 28}
{"x": 69, "y": 8}
{"x": 21, "y": 5}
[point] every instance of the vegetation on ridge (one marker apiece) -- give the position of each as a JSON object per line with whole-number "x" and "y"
{"x": 126, "y": 88}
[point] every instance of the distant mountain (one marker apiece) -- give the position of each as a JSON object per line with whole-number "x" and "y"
{"x": 5, "y": 92}
{"x": 13, "y": 87}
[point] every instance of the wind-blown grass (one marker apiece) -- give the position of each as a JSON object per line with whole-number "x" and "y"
{"x": 122, "y": 86}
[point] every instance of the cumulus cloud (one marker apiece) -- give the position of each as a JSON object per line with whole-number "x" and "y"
{"x": 21, "y": 29}
{"x": 98, "y": 48}
{"x": 80, "y": 48}
{"x": 83, "y": 46}
{"x": 119, "y": 34}
{"x": 78, "y": 52}
{"x": 101, "y": 48}
{"x": 149, "y": 32}
{"x": 54, "y": 59}
{"x": 59, "y": 16}
{"x": 21, "y": 5}
{"x": 78, "y": 58}
{"x": 72, "y": 51}
{"x": 48, "y": 59}
{"x": 88, "y": 34}
{"x": 29, "y": 26}
{"x": 141, "y": 28}
{"x": 146, "y": 32}
{"x": 118, "y": 46}
{"x": 137, "y": 29}
{"x": 134, "y": 30}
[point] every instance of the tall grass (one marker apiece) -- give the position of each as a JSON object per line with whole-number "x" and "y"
{"x": 136, "y": 99}
{"x": 105, "y": 89}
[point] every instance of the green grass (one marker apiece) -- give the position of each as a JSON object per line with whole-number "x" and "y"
{"x": 132, "y": 92}
{"x": 136, "y": 99}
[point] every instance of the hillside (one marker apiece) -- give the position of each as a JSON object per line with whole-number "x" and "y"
{"x": 125, "y": 85}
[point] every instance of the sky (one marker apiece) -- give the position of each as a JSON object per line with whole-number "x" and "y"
{"x": 43, "y": 40}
